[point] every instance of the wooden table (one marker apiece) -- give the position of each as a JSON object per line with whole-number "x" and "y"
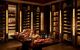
{"x": 29, "y": 43}
{"x": 40, "y": 45}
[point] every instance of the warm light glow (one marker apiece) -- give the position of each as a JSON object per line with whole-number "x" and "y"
{"x": 73, "y": 22}
{"x": 50, "y": 21}
{"x": 6, "y": 21}
{"x": 31, "y": 22}
{"x": 42, "y": 21}
{"x": 20, "y": 21}
{"x": 60, "y": 22}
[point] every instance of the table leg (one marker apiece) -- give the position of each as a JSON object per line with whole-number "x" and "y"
{"x": 37, "y": 48}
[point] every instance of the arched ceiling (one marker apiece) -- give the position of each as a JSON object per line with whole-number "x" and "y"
{"x": 40, "y": 1}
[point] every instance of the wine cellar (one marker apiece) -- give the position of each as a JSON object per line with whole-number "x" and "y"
{"x": 38, "y": 24}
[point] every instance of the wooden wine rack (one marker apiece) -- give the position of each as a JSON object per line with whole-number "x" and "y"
{"x": 26, "y": 17}
{"x": 55, "y": 20}
{"x": 67, "y": 10}
{"x": 77, "y": 35}
{"x": 36, "y": 18}
{"x": 12, "y": 10}
{"x": 2, "y": 20}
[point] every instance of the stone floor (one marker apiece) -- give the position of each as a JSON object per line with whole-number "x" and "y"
{"x": 11, "y": 45}
{"x": 15, "y": 45}
{"x": 60, "y": 47}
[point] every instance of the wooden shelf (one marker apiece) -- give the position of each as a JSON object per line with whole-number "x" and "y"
{"x": 26, "y": 16}
{"x": 66, "y": 20}
{"x": 12, "y": 18}
{"x": 2, "y": 20}
{"x": 36, "y": 18}
{"x": 55, "y": 20}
